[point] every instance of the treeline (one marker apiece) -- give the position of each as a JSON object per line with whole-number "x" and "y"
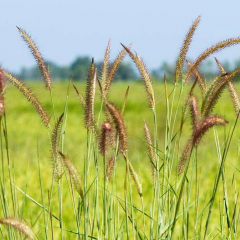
{"x": 78, "y": 69}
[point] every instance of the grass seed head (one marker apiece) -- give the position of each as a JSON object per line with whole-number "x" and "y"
{"x": 20, "y": 226}
{"x": 119, "y": 125}
{"x": 90, "y": 98}
{"x": 184, "y": 49}
{"x": 105, "y": 137}
{"x": 73, "y": 173}
{"x": 29, "y": 96}
{"x": 110, "y": 167}
{"x": 37, "y": 55}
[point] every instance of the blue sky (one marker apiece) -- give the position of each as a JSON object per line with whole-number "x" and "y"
{"x": 66, "y": 29}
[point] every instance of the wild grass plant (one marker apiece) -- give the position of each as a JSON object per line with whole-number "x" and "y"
{"x": 103, "y": 192}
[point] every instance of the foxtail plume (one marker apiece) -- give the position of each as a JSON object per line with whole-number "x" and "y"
{"x": 37, "y": 55}
{"x": 119, "y": 125}
{"x": 20, "y": 226}
{"x": 184, "y": 49}
{"x": 29, "y": 95}
{"x": 145, "y": 76}
{"x": 73, "y": 173}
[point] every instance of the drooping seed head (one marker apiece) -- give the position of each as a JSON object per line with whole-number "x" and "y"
{"x": 37, "y": 55}
{"x": 207, "y": 124}
{"x": 29, "y": 96}
{"x": 145, "y": 76}
{"x": 73, "y": 173}
{"x": 215, "y": 48}
{"x": 199, "y": 78}
{"x": 231, "y": 88}
{"x": 20, "y": 226}
{"x": 150, "y": 147}
{"x": 81, "y": 98}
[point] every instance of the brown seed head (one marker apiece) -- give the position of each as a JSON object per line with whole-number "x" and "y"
{"x": 19, "y": 225}
{"x": 105, "y": 137}
{"x": 37, "y": 55}
{"x": 119, "y": 125}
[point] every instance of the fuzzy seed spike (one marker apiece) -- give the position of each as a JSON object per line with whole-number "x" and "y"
{"x": 37, "y": 55}
{"x": 105, "y": 66}
{"x": 134, "y": 176}
{"x": 220, "y": 66}
{"x": 217, "y": 91}
{"x": 145, "y": 76}
{"x": 73, "y": 173}
{"x": 215, "y": 48}
{"x": 125, "y": 100}
{"x": 55, "y": 148}
{"x": 185, "y": 155}
{"x": 150, "y": 147}
{"x": 29, "y": 95}
{"x": 110, "y": 167}
{"x": 20, "y": 226}
{"x": 81, "y": 98}
{"x": 105, "y": 137}
{"x": 114, "y": 68}
{"x": 90, "y": 99}
{"x": 119, "y": 125}
{"x": 199, "y": 77}
{"x": 207, "y": 124}
{"x": 231, "y": 88}
{"x": 184, "y": 49}
{"x": 193, "y": 104}
{"x": 56, "y": 135}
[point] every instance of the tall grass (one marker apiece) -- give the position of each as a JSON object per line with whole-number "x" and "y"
{"x": 109, "y": 195}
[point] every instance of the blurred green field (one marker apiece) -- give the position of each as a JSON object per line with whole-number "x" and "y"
{"x": 29, "y": 142}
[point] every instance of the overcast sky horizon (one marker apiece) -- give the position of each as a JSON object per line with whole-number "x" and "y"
{"x": 64, "y": 30}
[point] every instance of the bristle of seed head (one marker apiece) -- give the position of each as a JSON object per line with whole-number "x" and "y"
{"x": 222, "y": 70}
{"x": 199, "y": 77}
{"x": 119, "y": 125}
{"x": 104, "y": 75}
{"x": 81, "y": 98}
{"x": 37, "y": 55}
{"x": 29, "y": 96}
{"x": 185, "y": 155}
{"x": 73, "y": 173}
{"x": 105, "y": 138}
{"x": 231, "y": 88}
{"x": 134, "y": 176}
{"x": 211, "y": 99}
{"x": 193, "y": 105}
{"x": 90, "y": 99}
{"x": 19, "y": 225}
{"x": 145, "y": 76}
{"x": 197, "y": 136}
{"x": 184, "y": 49}
{"x": 109, "y": 169}
{"x": 215, "y": 48}
{"x": 125, "y": 100}
{"x": 113, "y": 70}
{"x": 205, "y": 125}
{"x": 58, "y": 167}
{"x": 150, "y": 147}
